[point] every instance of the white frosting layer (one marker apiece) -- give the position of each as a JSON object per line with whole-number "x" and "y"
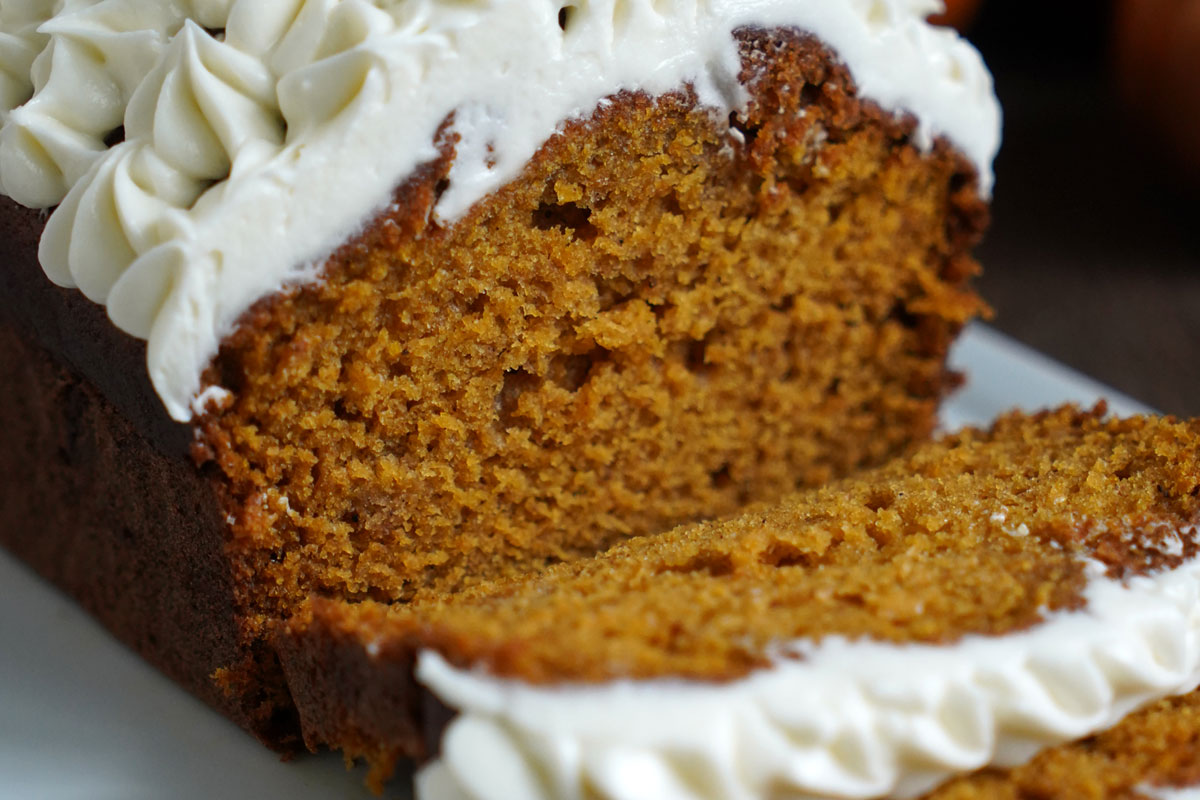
{"x": 250, "y": 155}
{"x": 1161, "y": 793}
{"x": 851, "y": 719}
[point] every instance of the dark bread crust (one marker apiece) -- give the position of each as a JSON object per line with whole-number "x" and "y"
{"x": 78, "y": 332}
{"x": 100, "y": 495}
{"x": 367, "y": 702}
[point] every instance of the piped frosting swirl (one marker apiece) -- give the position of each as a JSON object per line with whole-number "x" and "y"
{"x": 260, "y": 136}
{"x": 95, "y": 56}
{"x": 205, "y": 109}
{"x": 20, "y": 44}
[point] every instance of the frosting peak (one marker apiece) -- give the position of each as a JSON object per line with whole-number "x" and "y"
{"x": 20, "y": 43}
{"x": 95, "y": 56}
{"x": 204, "y": 109}
{"x": 260, "y": 136}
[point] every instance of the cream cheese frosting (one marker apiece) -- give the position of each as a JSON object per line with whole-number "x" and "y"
{"x": 260, "y": 135}
{"x": 20, "y": 44}
{"x": 829, "y": 719}
{"x": 1163, "y": 793}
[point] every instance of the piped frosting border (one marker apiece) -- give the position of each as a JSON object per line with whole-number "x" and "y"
{"x": 848, "y": 719}
{"x": 251, "y": 152}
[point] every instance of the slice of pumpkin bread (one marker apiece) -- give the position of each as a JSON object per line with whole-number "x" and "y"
{"x": 983, "y": 600}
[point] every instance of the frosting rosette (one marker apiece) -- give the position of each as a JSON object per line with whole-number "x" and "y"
{"x": 95, "y": 56}
{"x": 20, "y": 44}
{"x": 203, "y": 109}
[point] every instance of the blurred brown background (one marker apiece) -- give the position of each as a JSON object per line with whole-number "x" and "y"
{"x": 1094, "y": 253}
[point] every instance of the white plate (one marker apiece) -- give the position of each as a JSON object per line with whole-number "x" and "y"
{"x": 82, "y": 717}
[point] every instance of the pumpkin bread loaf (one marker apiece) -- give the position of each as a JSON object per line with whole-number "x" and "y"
{"x": 372, "y": 302}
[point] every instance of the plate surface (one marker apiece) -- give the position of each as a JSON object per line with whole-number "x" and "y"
{"x": 82, "y": 717}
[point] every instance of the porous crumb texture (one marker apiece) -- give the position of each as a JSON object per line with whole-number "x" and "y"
{"x": 669, "y": 316}
{"x": 978, "y": 533}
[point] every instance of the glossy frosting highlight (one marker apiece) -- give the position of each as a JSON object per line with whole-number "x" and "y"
{"x": 259, "y": 136}
{"x": 846, "y": 719}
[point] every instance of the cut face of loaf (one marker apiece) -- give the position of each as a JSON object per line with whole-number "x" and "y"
{"x": 667, "y": 317}
{"x": 987, "y": 597}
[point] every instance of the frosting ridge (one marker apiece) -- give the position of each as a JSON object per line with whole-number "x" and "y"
{"x": 96, "y": 54}
{"x": 260, "y": 136}
{"x": 204, "y": 109}
{"x": 20, "y": 43}
{"x": 833, "y": 718}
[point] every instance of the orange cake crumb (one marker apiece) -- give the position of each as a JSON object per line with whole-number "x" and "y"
{"x": 978, "y": 533}
{"x": 603, "y": 349}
